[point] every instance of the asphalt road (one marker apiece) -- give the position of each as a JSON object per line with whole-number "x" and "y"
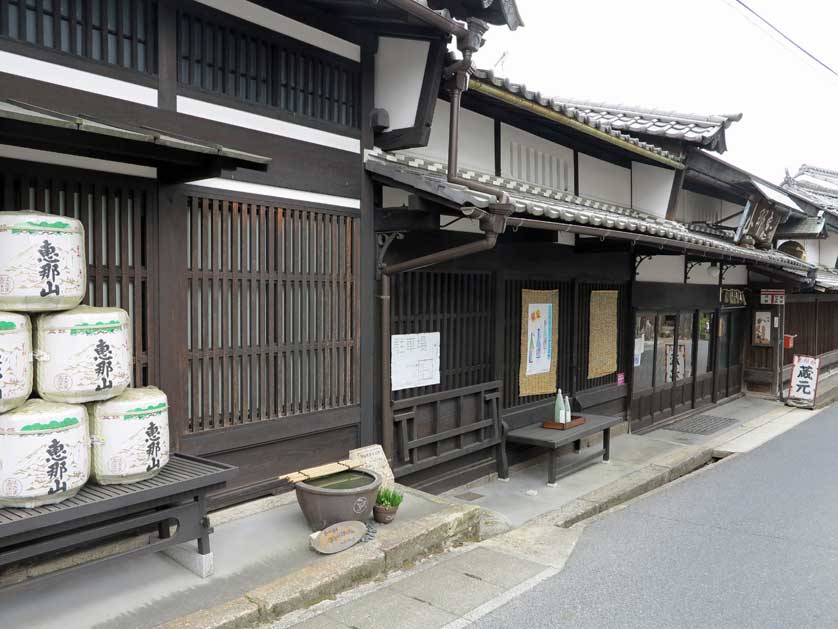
{"x": 748, "y": 542}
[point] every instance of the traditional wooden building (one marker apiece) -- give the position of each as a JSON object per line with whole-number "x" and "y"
{"x": 213, "y": 151}
{"x": 624, "y": 214}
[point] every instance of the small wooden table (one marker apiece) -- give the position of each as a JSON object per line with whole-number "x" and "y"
{"x": 537, "y": 435}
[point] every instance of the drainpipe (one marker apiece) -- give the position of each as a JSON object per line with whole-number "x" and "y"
{"x": 492, "y": 221}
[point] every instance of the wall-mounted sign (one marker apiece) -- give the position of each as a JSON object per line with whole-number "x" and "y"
{"x": 733, "y": 297}
{"x": 414, "y": 360}
{"x": 681, "y": 365}
{"x": 772, "y": 296}
{"x": 762, "y": 328}
{"x": 758, "y": 224}
{"x": 539, "y": 336}
{"x": 621, "y": 378}
{"x": 803, "y": 388}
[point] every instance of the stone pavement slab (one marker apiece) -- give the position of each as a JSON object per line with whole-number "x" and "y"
{"x": 389, "y": 609}
{"x": 500, "y": 569}
{"x": 454, "y": 592}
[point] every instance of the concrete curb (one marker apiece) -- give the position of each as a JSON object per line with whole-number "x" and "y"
{"x": 392, "y": 549}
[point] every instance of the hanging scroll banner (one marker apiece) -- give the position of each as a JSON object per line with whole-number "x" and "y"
{"x": 602, "y": 333}
{"x": 539, "y": 336}
{"x": 803, "y": 388}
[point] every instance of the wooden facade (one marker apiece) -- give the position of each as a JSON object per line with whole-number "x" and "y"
{"x": 253, "y": 294}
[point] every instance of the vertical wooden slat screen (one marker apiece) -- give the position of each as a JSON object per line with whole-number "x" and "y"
{"x": 512, "y": 337}
{"x": 116, "y": 32}
{"x": 230, "y": 57}
{"x": 583, "y": 338}
{"x": 272, "y": 327}
{"x": 118, "y": 214}
{"x": 458, "y": 305}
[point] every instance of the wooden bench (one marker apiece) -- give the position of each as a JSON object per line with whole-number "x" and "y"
{"x": 537, "y": 435}
{"x": 174, "y": 503}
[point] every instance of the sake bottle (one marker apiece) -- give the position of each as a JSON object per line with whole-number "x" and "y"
{"x": 567, "y": 410}
{"x": 560, "y": 409}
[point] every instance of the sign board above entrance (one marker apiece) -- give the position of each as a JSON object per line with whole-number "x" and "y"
{"x": 804, "y": 381}
{"x": 772, "y": 296}
{"x": 758, "y": 225}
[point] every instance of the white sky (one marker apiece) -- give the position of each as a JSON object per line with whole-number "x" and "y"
{"x": 703, "y": 56}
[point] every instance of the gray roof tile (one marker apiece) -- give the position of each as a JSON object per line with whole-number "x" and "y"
{"x": 430, "y": 177}
{"x": 703, "y": 130}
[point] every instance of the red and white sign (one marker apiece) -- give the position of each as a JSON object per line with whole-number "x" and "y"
{"x": 621, "y": 378}
{"x": 804, "y": 381}
{"x": 772, "y": 296}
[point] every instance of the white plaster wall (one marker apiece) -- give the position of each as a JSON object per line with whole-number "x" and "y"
{"x": 669, "y": 269}
{"x": 829, "y": 250}
{"x": 650, "y": 188}
{"x": 813, "y": 251}
{"x": 604, "y": 181}
{"x": 704, "y": 273}
{"x": 533, "y": 159}
{"x": 399, "y": 72}
{"x": 736, "y": 276}
{"x": 477, "y": 139}
{"x": 693, "y": 206}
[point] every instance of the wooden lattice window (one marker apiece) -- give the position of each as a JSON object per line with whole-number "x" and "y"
{"x": 119, "y": 215}
{"x": 116, "y": 32}
{"x": 272, "y": 312}
{"x": 458, "y": 305}
{"x": 228, "y": 57}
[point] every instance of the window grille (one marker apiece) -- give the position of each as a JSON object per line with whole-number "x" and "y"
{"x": 116, "y": 32}
{"x": 230, "y": 58}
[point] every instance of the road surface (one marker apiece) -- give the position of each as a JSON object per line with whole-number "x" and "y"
{"x": 748, "y": 542}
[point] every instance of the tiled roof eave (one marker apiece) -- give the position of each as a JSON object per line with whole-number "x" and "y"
{"x": 555, "y": 205}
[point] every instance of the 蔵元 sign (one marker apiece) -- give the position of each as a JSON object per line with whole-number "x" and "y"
{"x": 772, "y": 297}
{"x": 804, "y": 381}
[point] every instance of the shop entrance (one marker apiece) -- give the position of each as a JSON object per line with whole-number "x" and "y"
{"x": 729, "y": 367}
{"x": 665, "y": 371}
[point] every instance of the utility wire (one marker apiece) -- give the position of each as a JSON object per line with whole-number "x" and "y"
{"x": 787, "y": 38}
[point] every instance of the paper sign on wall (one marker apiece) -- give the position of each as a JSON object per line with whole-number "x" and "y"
{"x": 639, "y": 346}
{"x": 804, "y": 381}
{"x": 539, "y": 338}
{"x": 414, "y": 360}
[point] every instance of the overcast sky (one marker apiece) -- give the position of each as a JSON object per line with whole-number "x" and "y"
{"x": 703, "y": 56}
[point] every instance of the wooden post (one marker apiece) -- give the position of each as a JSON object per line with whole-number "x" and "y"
{"x": 368, "y": 343}
{"x": 167, "y": 55}
{"x": 172, "y": 315}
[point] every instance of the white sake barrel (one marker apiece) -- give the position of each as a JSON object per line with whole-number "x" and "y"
{"x": 15, "y": 360}
{"x": 129, "y": 436}
{"x": 83, "y": 354}
{"x": 44, "y": 453}
{"x": 42, "y": 262}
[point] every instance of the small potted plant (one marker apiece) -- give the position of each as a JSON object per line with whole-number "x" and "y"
{"x": 386, "y": 505}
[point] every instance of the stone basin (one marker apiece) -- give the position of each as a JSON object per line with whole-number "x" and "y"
{"x": 340, "y": 497}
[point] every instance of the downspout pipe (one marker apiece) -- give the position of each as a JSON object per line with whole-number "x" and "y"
{"x": 493, "y": 223}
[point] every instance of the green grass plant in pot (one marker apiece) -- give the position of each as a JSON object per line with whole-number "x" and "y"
{"x": 386, "y": 505}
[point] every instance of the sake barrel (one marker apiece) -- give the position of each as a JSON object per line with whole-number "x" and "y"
{"x": 44, "y": 453}
{"x": 42, "y": 263}
{"x": 129, "y": 436}
{"x": 15, "y": 360}
{"x": 83, "y": 354}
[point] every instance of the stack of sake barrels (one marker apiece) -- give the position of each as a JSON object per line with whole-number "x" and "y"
{"x": 67, "y": 412}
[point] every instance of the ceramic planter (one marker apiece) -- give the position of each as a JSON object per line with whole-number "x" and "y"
{"x": 384, "y": 515}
